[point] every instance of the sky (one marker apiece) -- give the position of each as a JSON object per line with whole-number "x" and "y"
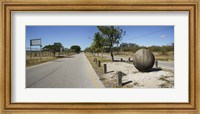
{"x": 83, "y": 35}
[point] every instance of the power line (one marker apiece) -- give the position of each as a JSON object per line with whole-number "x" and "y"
{"x": 90, "y": 38}
{"x": 151, "y": 33}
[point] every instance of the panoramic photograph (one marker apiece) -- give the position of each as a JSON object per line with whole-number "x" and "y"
{"x": 99, "y": 56}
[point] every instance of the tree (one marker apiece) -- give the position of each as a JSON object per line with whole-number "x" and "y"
{"x": 68, "y": 51}
{"x": 53, "y": 48}
{"x": 112, "y": 36}
{"x": 98, "y": 43}
{"x": 92, "y": 47}
{"x": 88, "y": 49}
{"x": 76, "y": 48}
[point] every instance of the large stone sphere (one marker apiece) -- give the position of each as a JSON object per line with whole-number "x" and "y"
{"x": 143, "y": 59}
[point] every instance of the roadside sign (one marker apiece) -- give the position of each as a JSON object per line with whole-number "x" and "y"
{"x": 57, "y": 43}
{"x": 35, "y": 42}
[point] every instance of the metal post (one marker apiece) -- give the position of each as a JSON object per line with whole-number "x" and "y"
{"x": 105, "y": 68}
{"x": 99, "y": 63}
{"x": 129, "y": 59}
{"x": 40, "y": 53}
{"x": 119, "y": 78}
{"x": 30, "y": 53}
{"x": 121, "y": 59}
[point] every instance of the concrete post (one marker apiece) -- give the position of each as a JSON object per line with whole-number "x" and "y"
{"x": 105, "y": 68}
{"x": 156, "y": 63}
{"x": 94, "y": 60}
{"x": 119, "y": 78}
{"x": 99, "y": 63}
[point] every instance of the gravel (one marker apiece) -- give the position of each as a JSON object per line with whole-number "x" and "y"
{"x": 156, "y": 78}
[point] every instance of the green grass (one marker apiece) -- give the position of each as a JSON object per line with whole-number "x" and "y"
{"x": 99, "y": 70}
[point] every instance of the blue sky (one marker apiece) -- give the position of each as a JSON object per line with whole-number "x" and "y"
{"x": 82, "y": 35}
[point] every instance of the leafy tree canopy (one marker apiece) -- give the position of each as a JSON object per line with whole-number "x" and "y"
{"x": 98, "y": 42}
{"x": 56, "y": 47}
{"x": 112, "y": 35}
{"x": 76, "y": 48}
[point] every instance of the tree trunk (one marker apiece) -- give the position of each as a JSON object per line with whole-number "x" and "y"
{"x": 117, "y": 49}
{"x": 102, "y": 54}
{"x": 111, "y": 53}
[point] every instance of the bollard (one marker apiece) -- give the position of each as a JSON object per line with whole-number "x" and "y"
{"x": 156, "y": 62}
{"x": 94, "y": 60}
{"x": 121, "y": 59}
{"x": 99, "y": 63}
{"x": 119, "y": 78}
{"x": 129, "y": 59}
{"x": 105, "y": 68}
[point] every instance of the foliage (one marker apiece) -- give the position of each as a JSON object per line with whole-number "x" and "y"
{"x": 129, "y": 47}
{"x": 88, "y": 49}
{"x": 98, "y": 42}
{"x": 112, "y": 36}
{"x": 132, "y": 47}
{"x": 163, "y": 49}
{"x": 68, "y": 51}
{"x": 53, "y": 48}
{"x": 76, "y": 48}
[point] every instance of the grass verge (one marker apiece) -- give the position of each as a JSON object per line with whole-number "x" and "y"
{"x": 99, "y": 70}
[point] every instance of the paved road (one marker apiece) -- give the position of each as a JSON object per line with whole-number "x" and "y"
{"x": 162, "y": 64}
{"x": 74, "y": 72}
{"x": 166, "y": 65}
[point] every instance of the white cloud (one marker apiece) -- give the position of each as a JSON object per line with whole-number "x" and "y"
{"x": 162, "y": 36}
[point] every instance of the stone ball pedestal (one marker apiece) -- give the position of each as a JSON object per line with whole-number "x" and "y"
{"x": 143, "y": 60}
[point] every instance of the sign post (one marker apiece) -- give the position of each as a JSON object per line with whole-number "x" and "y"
{"x": 35, "y": 42}
{"x": 30, "y": 53}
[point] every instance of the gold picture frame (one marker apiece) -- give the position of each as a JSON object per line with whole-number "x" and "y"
{"x": 96, "y": 5}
